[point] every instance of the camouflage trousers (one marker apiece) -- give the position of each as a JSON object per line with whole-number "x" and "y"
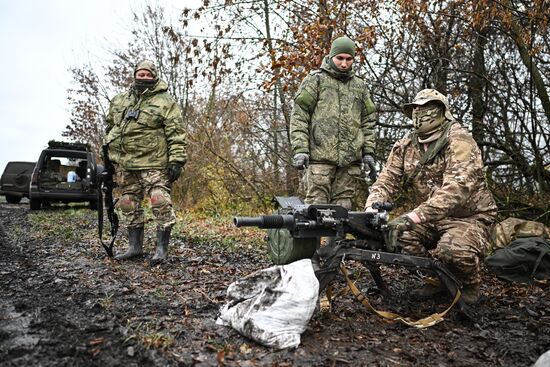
{"x": 460, "y": 243}
{"x": 329, "y": 184}
{"x": 134, "y": 186}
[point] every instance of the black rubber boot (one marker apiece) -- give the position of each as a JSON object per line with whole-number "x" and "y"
{"x": 163, "y": 237}
{"x": 135, "y": 247}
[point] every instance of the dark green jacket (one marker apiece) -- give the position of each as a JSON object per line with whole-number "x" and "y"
{"x": 333, "y": 119}
{"x": 155, "y": 138}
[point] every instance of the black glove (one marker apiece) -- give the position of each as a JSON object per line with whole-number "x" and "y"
{"x": 174, "y": 172}
{"x": 368, "y": 161}
{"x": 300, "y": 161}
{"x": 395, "y": 228}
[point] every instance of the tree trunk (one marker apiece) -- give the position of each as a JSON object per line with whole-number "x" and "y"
{"x": 477, "y": 87}
{"x": 530, "y": 65}
{"x": 284, "y": 105}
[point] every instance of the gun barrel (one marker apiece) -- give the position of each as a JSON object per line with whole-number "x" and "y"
{"x": 265, "y": 221}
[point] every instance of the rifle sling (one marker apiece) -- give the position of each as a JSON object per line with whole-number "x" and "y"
{"x": 114, "y": 226}
{"x": 419, "y": 324}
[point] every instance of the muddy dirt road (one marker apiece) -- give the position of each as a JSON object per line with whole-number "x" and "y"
{"x": 63, "y": 303}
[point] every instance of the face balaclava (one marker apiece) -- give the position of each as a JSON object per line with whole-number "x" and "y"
{"x": 428, "y": 121}
{"x": 141, "y": 85}
{"x": 430, "y": 112}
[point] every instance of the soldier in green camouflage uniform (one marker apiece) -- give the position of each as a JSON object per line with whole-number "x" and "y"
{"x": 440, "y": 167}
{"x": 148, "y": 143}
{"x": 332, "y": 128}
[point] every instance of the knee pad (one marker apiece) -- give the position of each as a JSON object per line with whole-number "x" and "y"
{"x": 159, "y": 199}
{"x": 127, "y": 203}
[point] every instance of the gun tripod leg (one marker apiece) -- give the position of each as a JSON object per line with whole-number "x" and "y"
{"x": 465, "y": 312}
{"x": 325, "y": 278}
{"x": 374, "y": 270}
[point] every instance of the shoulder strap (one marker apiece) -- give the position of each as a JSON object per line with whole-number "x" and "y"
{"x": 429, "y": 154}
{"x": 425, "y": 322}
{"x": 317, "y": 74}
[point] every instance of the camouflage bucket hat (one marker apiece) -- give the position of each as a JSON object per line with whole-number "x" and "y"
{"x": 147, "y": 65}
{"x": 425, "y": 96}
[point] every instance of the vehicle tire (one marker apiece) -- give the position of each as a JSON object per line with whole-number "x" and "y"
{"x": 93, "y": 205}
{"x": 13, "y": 199}
{"x": 36, "y": 204}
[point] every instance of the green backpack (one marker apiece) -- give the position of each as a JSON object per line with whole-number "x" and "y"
{"x": 523, "y": 261}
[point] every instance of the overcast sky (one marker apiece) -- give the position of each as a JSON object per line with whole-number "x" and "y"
{"x": 40, "y": 40}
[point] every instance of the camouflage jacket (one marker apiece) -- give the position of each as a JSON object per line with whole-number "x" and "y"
{"x": 333, "y": 120}
{"x": 452, "y": 184}
{"x": 155, "y": 138}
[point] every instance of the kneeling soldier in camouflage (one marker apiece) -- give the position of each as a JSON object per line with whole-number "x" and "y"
{"x": 147, "y": 142}
{"x": 440, "y": 168}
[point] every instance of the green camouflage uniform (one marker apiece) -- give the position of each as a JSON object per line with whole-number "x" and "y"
{"x": 135, "y": 186}
{"x": 450, "y": 197}
{"x": 333, "y": 122}
{"x": 143, "y": 148}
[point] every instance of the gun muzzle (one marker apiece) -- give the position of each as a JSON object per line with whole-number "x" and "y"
{"x": 265, "y": 221}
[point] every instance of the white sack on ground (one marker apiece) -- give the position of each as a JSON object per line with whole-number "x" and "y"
{"x": 272, "y": 306}
{"x": 544, "y": 360}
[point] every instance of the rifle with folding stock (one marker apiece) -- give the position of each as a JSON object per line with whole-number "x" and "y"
{"x": 294, "y": 233}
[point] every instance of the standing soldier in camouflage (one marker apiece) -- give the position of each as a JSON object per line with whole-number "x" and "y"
{"x": 332, "y": 128}
{"x": 147, "y": 142}
{"x": 439, "y": 167}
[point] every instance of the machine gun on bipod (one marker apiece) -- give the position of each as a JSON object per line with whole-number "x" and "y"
{"x": 294, "y": 233}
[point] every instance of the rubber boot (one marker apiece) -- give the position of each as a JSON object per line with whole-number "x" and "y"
{"x": 163, "y": 237}
{"x": 135, "y": 246}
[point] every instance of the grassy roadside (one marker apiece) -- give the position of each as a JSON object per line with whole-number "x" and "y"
{"x": 70, "y": 223}
{"x": 216, "y": 230}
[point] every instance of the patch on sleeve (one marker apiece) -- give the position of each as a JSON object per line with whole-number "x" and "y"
{"x": 304, "y": 100}
{"x": 369, "y": 106}
{"x": 462, "y": 151}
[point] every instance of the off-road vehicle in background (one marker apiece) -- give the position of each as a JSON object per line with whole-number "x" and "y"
{"x": 65, "y": 172}
{"x": 15, "y": 181}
